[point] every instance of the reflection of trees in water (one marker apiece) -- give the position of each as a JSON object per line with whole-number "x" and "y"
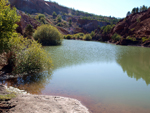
{"x": 136, "y": 64}
{"x": 33, "y": 83}
{"x": 74, "y": 52}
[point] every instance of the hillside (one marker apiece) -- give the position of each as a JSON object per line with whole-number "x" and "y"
{"x": 80, "y": 21}
{"x": 134, "y": 29}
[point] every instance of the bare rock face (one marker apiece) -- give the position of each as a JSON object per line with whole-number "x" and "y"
{"x": 37, "y": 6}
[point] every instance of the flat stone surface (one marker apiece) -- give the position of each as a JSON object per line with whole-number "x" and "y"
{"x": 27, "y": 103}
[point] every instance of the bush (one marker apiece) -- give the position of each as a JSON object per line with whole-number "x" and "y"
{"x": 131, "y": 38}
{"x": 28, "y": 31}
{"x": 8, "y": 19}
{"x": 54, "y": 14}
{"x": 116, "y": 37}
{"x": 58, "y": 18}
{"x": 59, "y": 24}
{"x": 87, "y": 37}
{"x": 48, "y": 35}
{"x": 68, "y": 36}
{"x": 92, "y": 34}
{"x": 41, "y": 16}
{"x": 107, "y": 29}
{"x": 144, "y": 39}
{"x": 27, "y": 56}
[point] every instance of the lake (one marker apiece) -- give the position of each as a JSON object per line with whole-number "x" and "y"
{"x": 106, "y": 78}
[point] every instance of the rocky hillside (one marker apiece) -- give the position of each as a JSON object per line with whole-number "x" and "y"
{"x": 38, "y": 6}
{"x": 134, "y": 29}
{"x": 134, "y": 25}
{"x": 81, "y": 21}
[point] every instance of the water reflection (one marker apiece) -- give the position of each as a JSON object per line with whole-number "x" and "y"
{"x": 33, "y": 83}
{"x": 75, "y": 52}
{"x": 135, "y": 62}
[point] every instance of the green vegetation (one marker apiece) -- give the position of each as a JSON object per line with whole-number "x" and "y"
{"x": 23, "y": 55}
{"x": 59, "y": 18}
{"x": 107, "y": 29}
{"x": 87, "y": 37}
{"x": 116, "y": 37}
{"x": 75, "y": 36}
{"x": 68, "y": 36}
{"x": 54, "y": 14}
{"x": 41, "y": 18}
{"x": 137, "y": 10}
{"x": 80, "y": 36}
{"x": 131, "y": 38}
{"x": 70, "y": 22}
{"x": 92, "y": 34}
{"x": 144, "y": 39}
{"x": 28, "y": 56}
{"x": 7, "y": 97}
{"x": 29, "y": 31}
{"x": 8, "y": 19}
{"x": 48, "y": 35}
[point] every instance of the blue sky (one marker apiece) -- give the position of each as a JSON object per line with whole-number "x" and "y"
{"x": 114, "y": 8}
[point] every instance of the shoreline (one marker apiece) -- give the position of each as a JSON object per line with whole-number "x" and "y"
{"x": 134, "y": 45}
{"x": 26, "y": 103}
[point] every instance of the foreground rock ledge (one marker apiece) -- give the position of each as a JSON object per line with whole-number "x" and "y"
{"x": 27, "y": 103}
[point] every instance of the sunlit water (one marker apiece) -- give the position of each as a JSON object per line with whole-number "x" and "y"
{"x": 106, "y": 78}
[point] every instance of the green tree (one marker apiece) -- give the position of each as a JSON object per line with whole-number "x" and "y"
{"x": 8, "y": 19}
{"x": 133, "y": 10}
{"x": 70, "y": 22}
{"x": 59, "y": 18}
{"x": 137, "y": 10}
{"x": 54, "y": 14}
{"x": 29, "y": 31}
{"x": 128, "y": 13}
{"x": 92, "y": 34}
{"x": 41, "y": 16}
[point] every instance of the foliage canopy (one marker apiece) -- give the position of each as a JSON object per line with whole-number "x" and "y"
{"x": 8, "y": 19}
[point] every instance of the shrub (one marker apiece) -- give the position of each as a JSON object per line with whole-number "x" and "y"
{"x": 68, "y": 36}
{"x": 144, "y": 39}
{"x": 48, "y": 35}
{"x": 116, "y": 37}
{"x": 59, "y": 24}
{"x": 131, "y": 38}
{"x": 107, "y": 29}
{"x": 29, "y": 31}
{"x": 28, "y": 56}
{"x": 41, "y": 16}
{"x": 81, "y": 35}
{"x": 54, "y": 14}
{"x": 58, "y": 18}
{"x": 8, "y": 19}
{"x": 87, "y": 37}
{"x": 70, "y": 22}
{"x": 92, "y": 34}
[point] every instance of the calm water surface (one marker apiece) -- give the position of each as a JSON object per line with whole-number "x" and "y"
{"x": 104, "y": 77}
